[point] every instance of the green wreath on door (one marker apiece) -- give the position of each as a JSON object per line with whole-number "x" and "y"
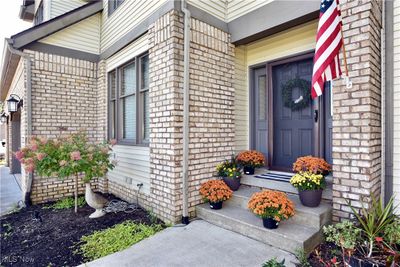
{"x": 287, "y": 91}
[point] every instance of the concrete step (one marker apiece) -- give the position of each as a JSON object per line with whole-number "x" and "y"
{"x": 251, "y": 180}
{"x": 289, "y": 236}
{"x": 314, "y": 217}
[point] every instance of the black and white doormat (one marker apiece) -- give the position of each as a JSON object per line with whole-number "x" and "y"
{"x": 280, "y": 177}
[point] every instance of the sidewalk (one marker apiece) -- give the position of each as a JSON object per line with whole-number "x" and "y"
{"x": 197, "y": 244}
{"x": 10, "y": 192}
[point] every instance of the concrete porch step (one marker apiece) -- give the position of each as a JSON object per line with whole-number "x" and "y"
{"x": 289, "y": 236}
{"x": 251, "y": 180}
{"x": 314, "y": 217}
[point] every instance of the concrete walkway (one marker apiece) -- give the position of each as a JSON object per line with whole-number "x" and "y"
{"x": 197, "y": 244}
{"x": 10, "y": 192}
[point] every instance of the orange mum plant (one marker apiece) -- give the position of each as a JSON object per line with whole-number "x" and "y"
{"x": 271, "y": 204}
{"x": 251, "y": 158}
{"x": 311, "y": 164}
{"x": 215, "y": 191}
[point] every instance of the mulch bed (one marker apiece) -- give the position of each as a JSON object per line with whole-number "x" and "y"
{"x": 26, "y": 241}
{"x": 327, "y": 251}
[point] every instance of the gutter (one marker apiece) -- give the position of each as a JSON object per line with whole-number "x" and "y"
{"x": 26, "y": 57}
{"x": 185, "y": 158}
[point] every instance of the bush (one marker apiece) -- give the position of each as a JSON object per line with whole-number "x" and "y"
{"x": 111, "y": 240}
{"x": 392, "y": 233}
{"x": 66, "y": 203}
{"x": 344, "y": 234}
{"x": 274, "y": 263}
{"x": 215, "y": 191}
{"x": 308, "y": 181}
{"x": 271, "y": 204}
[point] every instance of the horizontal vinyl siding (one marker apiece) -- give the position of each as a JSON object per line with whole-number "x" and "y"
{"x": 125, "y": 18}
{"x": 241, "y": 101}
{"x": 217, "y": 8}
{"x": 136, "y": 48}
{"x": 132, "y": 168}
{"x": 294, "y": 41}
{"x": 396, "y": 120}
{"x": 59, "y": 7}
{"x": 238, "y": 8}
{"x": 83, "y": 36}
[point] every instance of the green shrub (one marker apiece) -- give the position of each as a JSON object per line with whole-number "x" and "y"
{"x": 392, "y": 233}
{"x": 274, "y": 263}
{"x": 301, "y": 256}
{"x": 344, "y": 234}
{"x": 114, "y": 239}
{"x": 66, "y": 203}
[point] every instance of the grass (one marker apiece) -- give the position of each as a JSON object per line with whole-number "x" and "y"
{"x": 114, "y": 239}
{"x": 66, "y": 203}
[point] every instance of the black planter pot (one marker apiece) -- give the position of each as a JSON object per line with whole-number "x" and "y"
{"x": 310, "y": 198}
{"x": 270, "y": 223}
{"x": 216, "y": 205}
{"x": 248, "y": 170}
{"x": 232, "y": 182}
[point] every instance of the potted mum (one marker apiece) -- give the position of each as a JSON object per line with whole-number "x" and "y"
{"x": 272, "y": 207}
{"x": 310, "y": 179}
{"x": 249, "y": 160}
{"x": 215, "y": 192}
{"x": 230, "y": 173}
{"x": 68, "y": 156}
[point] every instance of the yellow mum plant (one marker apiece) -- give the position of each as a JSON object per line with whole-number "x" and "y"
{"x": 308, "y": 181}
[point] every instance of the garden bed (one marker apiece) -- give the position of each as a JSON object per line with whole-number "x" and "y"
{"x": 51, "y": 240}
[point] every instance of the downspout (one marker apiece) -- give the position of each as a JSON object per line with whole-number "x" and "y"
{"x": 26, "y": 57}
{"x": 383, "y": 106}
{"x": 185, "y": 158}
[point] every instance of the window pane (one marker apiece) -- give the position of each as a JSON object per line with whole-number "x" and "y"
{"x": 144, "y": 72}
{"x": 112, "y": 80}
{"x": 145, "y": 115}
{"x": 112, "y": 120}
{"x": 128, "y": 80}
{"x": 129, "y": 117}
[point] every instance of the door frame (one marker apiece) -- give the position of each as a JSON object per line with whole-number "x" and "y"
{"x": 317, "y": 105}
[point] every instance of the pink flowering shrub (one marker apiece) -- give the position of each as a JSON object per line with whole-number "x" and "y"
{"x": 66, "y": 156}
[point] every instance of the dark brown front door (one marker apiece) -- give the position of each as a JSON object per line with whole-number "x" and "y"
{"x": 293, "y": 132}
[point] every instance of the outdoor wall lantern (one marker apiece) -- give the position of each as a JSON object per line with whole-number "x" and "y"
{"x": 3, "y": 117}
{"x": 14, "y": 102}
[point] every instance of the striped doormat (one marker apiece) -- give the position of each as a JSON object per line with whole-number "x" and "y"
{"x": 280, "y": 177}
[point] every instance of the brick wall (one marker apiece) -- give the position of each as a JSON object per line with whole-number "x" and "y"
{"x": 211, "y": 110}
{"x": 64, "y": 94}
{"x": 356, "y": 115}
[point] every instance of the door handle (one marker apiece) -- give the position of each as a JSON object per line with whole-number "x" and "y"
{"x": 316, "y": 115}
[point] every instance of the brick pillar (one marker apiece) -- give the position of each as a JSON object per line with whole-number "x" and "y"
{"x": 165, "y": 90}
{"x": 356, "y": 114}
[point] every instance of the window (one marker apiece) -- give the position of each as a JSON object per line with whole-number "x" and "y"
{"x": 113, "y": 5}
{"x": 39, "y": 14}
{"x": 129, "y": 102}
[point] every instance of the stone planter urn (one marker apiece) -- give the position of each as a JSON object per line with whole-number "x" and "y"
{"x": 95, "y": 201}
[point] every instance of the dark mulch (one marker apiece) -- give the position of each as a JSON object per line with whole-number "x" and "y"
{"x": 26, "y": 241}
{"x": 328, "y": 251}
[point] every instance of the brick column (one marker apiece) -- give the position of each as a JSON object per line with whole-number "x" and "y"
{"x": 211, "y": 109}
{"x": 356, "y": 114}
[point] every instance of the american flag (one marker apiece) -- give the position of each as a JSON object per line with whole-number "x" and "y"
{"x": 329, "y": 41}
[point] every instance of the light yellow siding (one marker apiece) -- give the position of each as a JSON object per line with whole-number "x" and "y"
{"x": 138, "y": 47}
{"x": 133, "y": 162}
{"x": 217, "y": 8}
{"x": 241, "y": 100}
{"x": 396, "y": 87}
{"x": 238, "y": 8}
{"x": 83, "y": 36}
{"x": 132, "y": 168}
{"x": 294, "y": 41}
{"x": 59, "y": 7}
{"x": 125, "y": 18}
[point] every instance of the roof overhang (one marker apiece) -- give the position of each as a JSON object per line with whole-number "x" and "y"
{"x": 27, "y": 10}
{"x": 20, "y": 40}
